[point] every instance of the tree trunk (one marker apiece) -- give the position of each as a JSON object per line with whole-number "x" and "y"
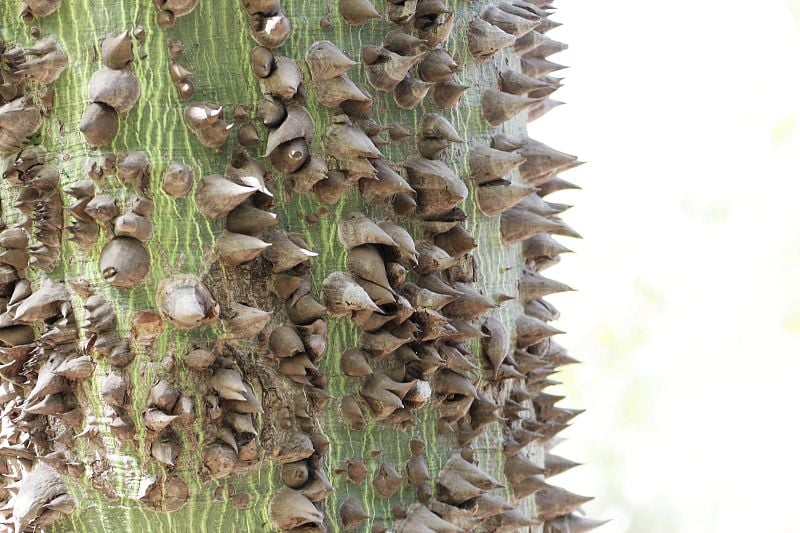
{"x": 216, "y": 335}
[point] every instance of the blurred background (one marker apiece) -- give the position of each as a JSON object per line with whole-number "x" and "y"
{"x": 688, "y": 315}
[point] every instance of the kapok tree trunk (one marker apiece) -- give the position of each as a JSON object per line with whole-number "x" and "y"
{"x": 276, "y": 267}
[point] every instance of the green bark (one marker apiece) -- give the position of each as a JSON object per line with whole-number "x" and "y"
{"x": 217, "y": 44}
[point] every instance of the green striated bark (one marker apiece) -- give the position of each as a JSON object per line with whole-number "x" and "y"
{"x": 217, "y": 44}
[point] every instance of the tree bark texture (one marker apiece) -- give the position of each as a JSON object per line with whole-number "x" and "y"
{"x": 196, "y": 335}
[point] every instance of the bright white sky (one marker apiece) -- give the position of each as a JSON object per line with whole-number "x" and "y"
{"x": 688, "y": 315}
